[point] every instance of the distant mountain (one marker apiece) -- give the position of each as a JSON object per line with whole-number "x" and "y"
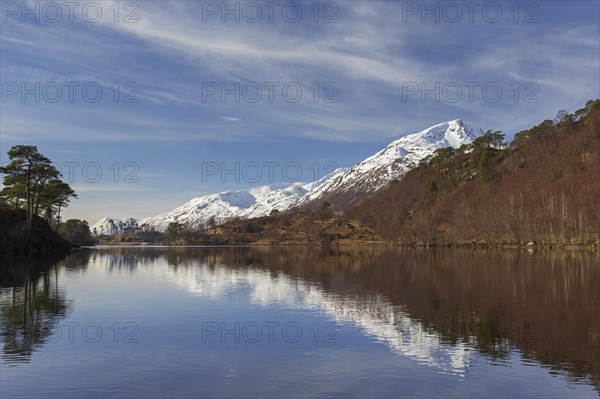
{"x": 341, "y": 188}
{"x": 255, "y": 202}
{"x": 366, "y": 177}
{"x": 102, "y": 226}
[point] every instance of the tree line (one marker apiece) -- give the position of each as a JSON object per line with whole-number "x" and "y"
{"x": 33, "y": 184}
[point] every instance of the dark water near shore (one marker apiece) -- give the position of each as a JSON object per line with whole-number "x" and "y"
{"x": 301, "y": 322}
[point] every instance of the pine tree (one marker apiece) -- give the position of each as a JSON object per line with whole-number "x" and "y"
{"x": 30, "y": 176}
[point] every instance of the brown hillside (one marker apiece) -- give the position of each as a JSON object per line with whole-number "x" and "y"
{"x": 544, "y": 187}
{"x": 305, "y": 228}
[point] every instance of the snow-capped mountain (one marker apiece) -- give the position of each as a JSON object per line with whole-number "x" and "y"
{"x": 341, "y": 188}
{"x": 103, "y": 226}
{"x": 255, "y": 202}
{"x": 377, "y": 171}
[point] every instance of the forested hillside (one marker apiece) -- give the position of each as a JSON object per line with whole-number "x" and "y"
{"x": 542, "y": 187}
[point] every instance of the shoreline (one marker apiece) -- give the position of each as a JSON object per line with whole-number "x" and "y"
{"x": 471, "y": 245}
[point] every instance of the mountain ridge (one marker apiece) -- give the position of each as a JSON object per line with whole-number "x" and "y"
{"x": 378, "y": 170}
{"x": 542, "y": 188}
{"x": 220, "y": 207}
{"x": 342, "y": 188}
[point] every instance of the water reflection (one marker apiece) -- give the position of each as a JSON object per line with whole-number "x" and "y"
{"x": 434, "y": 306}
{"x": 445, "y": 309}
{"x": 31, "y": 305}
{"x": 372, "y": 312}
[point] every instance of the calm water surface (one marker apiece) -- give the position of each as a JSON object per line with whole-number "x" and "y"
{"x": 300, "y": 322}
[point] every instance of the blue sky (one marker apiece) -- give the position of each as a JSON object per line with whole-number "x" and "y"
{"x": 386, "y": 69}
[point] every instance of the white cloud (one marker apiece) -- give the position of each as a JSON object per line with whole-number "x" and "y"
{"x": 368, "y": 54}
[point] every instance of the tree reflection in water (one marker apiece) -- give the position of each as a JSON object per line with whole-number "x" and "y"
{"x": 543, "y": 306}
{"x": 31, "y": 303}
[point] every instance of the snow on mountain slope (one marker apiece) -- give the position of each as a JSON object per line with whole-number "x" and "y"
{"x": 255, "y": 202}
{"x": 390, "y": 163}
{"x": 341, "y": 188}
{"x": 102, "y": 226}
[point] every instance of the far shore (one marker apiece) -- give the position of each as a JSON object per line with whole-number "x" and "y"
{"x": 349, "y": 243}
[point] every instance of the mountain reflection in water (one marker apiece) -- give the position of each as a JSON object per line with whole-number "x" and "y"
{"x": 442, "y": 308}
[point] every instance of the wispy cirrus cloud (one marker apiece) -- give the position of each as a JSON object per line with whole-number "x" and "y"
{"x": 369, "y": 58}
{"x": 231, "y": 119}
